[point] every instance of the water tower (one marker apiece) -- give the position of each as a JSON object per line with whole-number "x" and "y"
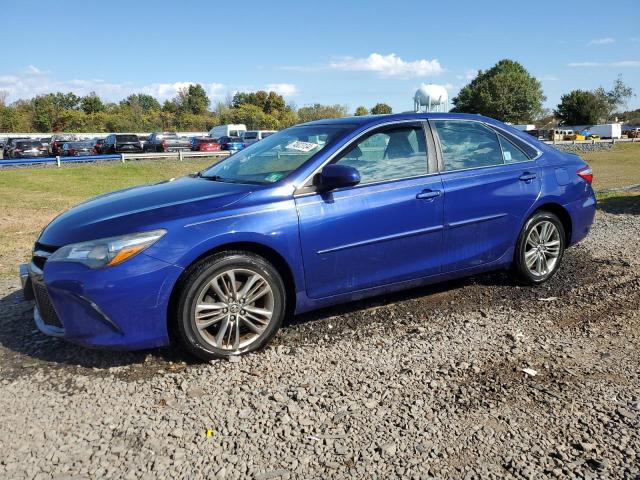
{"x": 431, "y": 98}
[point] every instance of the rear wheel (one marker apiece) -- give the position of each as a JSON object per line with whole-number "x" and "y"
{"x": 539, "y": 249}
{"x": 229, "y": 304}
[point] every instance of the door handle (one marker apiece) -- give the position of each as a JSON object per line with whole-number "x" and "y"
{"x": 527, "y": 177}
{"x": 428, "y": 194}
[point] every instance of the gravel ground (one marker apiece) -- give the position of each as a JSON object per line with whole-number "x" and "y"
{"x": 426, "y": 383}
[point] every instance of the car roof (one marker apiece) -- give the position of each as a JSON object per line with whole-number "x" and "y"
{"x": 375, "y": 119}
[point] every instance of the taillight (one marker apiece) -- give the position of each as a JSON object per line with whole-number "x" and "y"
{"x": 586, "y": 174}
{"x": 164, "y": 144}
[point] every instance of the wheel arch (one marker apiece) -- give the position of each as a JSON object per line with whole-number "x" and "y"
{"x": 560, "y": 212}
{"x": 264, "y": 251}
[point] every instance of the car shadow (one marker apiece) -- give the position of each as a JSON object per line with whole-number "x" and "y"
{"x": 20, "y": 337}
{"x": 431, "y": 291}
{"x": 622, "y": 204}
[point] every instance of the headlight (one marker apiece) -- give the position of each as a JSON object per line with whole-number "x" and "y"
{"x": 107, "y": 252}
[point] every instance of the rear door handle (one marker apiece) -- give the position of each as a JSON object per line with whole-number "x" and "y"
{"x": 427, "y": 194}
{"x": 527, "y": 177}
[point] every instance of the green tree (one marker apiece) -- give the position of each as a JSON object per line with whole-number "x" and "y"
{"x": 615, "y": 98}
{"x": 506, "y": 91}
{"x": 361, "y": 111}
{"x": 91, "y": 103}
{"x": 250, "y": 115}
{"x": 581, "y": 107}
{"x": 43, "y": 114}
{"x": 64, "y": 101}
{"x": 9, "y": 121}
{"x": 145, "y": 102}
{"x": 320, "y": 112}
{"x": 381, "y": 109}
{"x": 268, "y": 102}
{"x": 193, "y": 99}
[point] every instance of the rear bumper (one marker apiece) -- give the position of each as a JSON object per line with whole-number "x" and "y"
{"x": 582, "y": 213}
{"x": 122, "y": 307}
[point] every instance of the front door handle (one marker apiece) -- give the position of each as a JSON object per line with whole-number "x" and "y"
{"x": 527, "y": 177}
{"x": 428, "y": 194}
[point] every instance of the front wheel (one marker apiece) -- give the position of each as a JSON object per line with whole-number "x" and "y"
{"x": 539, "y": 249}
{"x": 229, "y": 304}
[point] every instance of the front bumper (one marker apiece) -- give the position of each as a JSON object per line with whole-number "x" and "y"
{"x": 123, "y": 307}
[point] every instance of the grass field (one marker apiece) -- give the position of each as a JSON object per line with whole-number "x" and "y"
{"x": 31, "y": 197}
{"x": 619, "y": 167}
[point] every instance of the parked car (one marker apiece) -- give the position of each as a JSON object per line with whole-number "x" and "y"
{"x": 26, "y": 148}
{"x": 314, "y": 215}
{"x": 78, "y": 149}
{"x": 204, "y": 144}
{"x": 232, "y": 144}
{"x": 57, "y": 140}
{"x": 253, "y": 136}
{"x": 167, "y": 142}
{"x": 46, "y": 142}
{"x": 143, "y": 141}
{"x": 97, "y": 144}
{"x": 230, "y": 130}
{"x": 9, "y": 144}
{"x": 121, "y": 143}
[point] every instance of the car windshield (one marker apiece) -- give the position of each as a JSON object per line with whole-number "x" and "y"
{"x": 32, "y": 144}
{"x": 127, "y": 138}
{"x": 274, "y": 158}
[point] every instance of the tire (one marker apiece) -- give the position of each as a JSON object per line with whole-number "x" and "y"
{"x": 531, "y": 247}
{"x": 244, "y": 331}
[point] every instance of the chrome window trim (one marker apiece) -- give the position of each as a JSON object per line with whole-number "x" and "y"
{"x": 434, "y": 133}
{"x": 495, "y": 129}
{"x": 445, "y": 172}
{"x": 304, "y": 183}
{"x": 500, "y": 135}
{"x": 507, "y": 134}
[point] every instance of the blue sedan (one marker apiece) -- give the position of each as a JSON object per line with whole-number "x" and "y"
{"x": 317, "y": 214}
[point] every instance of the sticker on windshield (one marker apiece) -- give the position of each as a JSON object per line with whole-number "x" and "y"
{"x": 507, "y": 155}
{"x": 274, "y": 177}
{"x": 302, "y": 146}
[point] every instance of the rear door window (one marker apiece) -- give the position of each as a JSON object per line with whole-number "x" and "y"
{"x": 467, "y": 144}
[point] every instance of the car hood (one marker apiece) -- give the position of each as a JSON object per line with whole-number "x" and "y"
{"x": 140, "y": 208}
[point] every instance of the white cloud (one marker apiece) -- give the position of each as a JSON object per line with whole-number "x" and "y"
{"x": 284, "y": 89}
{"x": 388, "y": 66}
{"x": 602, "y": 41}
{"x": 36, "y": 82}
{"x": 33, "y": 70}
{"x": 621, "y": 64}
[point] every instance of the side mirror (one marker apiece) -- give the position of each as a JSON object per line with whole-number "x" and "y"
{"x": 336, "y": 176}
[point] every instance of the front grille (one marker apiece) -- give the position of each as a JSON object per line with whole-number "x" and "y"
{"x": 40, "y": 254}
{"x": 45, "y": 307}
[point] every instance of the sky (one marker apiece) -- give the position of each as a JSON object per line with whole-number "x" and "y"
{"x": 346, "y": 52}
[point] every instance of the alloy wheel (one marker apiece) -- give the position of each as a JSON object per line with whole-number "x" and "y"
{"x": 542, "y": 248}
{"x": 234, "y": 308}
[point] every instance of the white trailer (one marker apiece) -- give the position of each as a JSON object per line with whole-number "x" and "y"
{"x": 230, "y": 130}
{"x": 525, "y": 128}
{"x": 607, "y": 130}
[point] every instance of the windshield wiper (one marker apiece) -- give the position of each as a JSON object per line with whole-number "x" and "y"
{"x": 213, "y": 178}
